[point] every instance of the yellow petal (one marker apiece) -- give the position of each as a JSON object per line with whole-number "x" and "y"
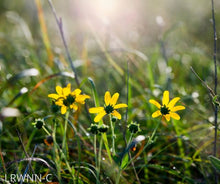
{"x": 116, "y": 114}
{"x": 59, "y": 102}
{"x": 100, "y": 116}
{"x": 76, "y": 92}
{"x": 74, "y": 106}
{"x": 118, "y": 106}
{"x": 114, "y": 99}
{"x": 68, "y": 86}
{"x": 67, "y": 90}
{"x": 54, "y": 96}
{"x": 174, "y": 115}
{"x": 63, "y": 109}
{"x": 156, "y": 114}
{"x": 177, "y": 108}
{"x": 165, "y": 100}
{"x": 107, "y": 97}
{"x": 59, "y": 90}
{"x": 81, "y": 98}
{"x": 173, "y": 102}
{"x": 96, "y": 109}
{"x": 167, "y": 116}
{"x": 154, "y": 102}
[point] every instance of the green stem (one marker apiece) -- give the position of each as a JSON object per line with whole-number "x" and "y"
{"x": 64, "y": 143}
{"x": 96, "y": 161}
{"x": 79, "y": 155}
{"x": 113, "y": 135}
{"x": 56, "y": 154}
{"x": 46, "y": 130}
{"x": 99, "y": 157}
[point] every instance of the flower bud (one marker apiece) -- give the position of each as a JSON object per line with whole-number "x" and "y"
{"x": 39, "y": 123}
{"x": 93, "y": 129}
{"x": 103, "y": 128}
{"x": 133, "y": 127}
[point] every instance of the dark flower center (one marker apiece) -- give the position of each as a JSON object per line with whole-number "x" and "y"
{"x": 109, "y": 109}
{"x": 164, "y": 110}
{"x": 69, "y": 100}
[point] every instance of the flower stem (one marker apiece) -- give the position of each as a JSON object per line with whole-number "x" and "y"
{"x": 56, "y": 154}
{"x": 113, "y": 135}
{"x": 46, "y": 130}
{"x": 99, "y": 156}
{"x": 96, "y": 160}
{"x": 64, "y": 143}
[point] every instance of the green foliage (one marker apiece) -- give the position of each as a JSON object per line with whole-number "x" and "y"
{"x": 215, "y": 162}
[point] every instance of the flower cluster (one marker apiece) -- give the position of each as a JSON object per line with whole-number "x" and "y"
{"x": 65, "y": 98}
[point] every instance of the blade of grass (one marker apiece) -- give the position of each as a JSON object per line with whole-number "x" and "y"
{"x": 107, "y": 55}
{"x": 44, "y": 32}
{"x": 66, "y": 74}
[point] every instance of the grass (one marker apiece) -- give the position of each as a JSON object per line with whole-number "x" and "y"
{"x": 139, "y": 59}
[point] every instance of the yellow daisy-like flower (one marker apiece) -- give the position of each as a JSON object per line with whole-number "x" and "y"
{"x": 109, "y": 107}
{"x": 167, "y": 108}
{"x": 67, "y": 99}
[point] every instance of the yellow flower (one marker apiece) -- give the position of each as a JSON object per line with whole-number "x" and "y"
{"x": 67, "y": 99}
{"x": 167, "y": 108}
{"x": 109, "y": 107}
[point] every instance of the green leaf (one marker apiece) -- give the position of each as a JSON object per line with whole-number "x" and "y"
{"x": 215, "y": 100}
{"x": 215, "y": 162}
{"x": 104, "y": 137}
{"x": 94, "y": 91}
{"x": 124, "y": 161}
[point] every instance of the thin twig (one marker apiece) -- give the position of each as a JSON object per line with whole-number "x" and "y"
{"x": 216, "y": 77}
{"x": 212, "y": 93}
{"x": 29, "y": 160}
{"x": 60, "y": 26}
{"x": 29, "y": 164}
{"x": 215, "y": 88}
{"x": 26, "y": 154}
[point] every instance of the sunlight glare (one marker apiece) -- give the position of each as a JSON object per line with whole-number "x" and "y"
{"x": 107, "y": 8}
